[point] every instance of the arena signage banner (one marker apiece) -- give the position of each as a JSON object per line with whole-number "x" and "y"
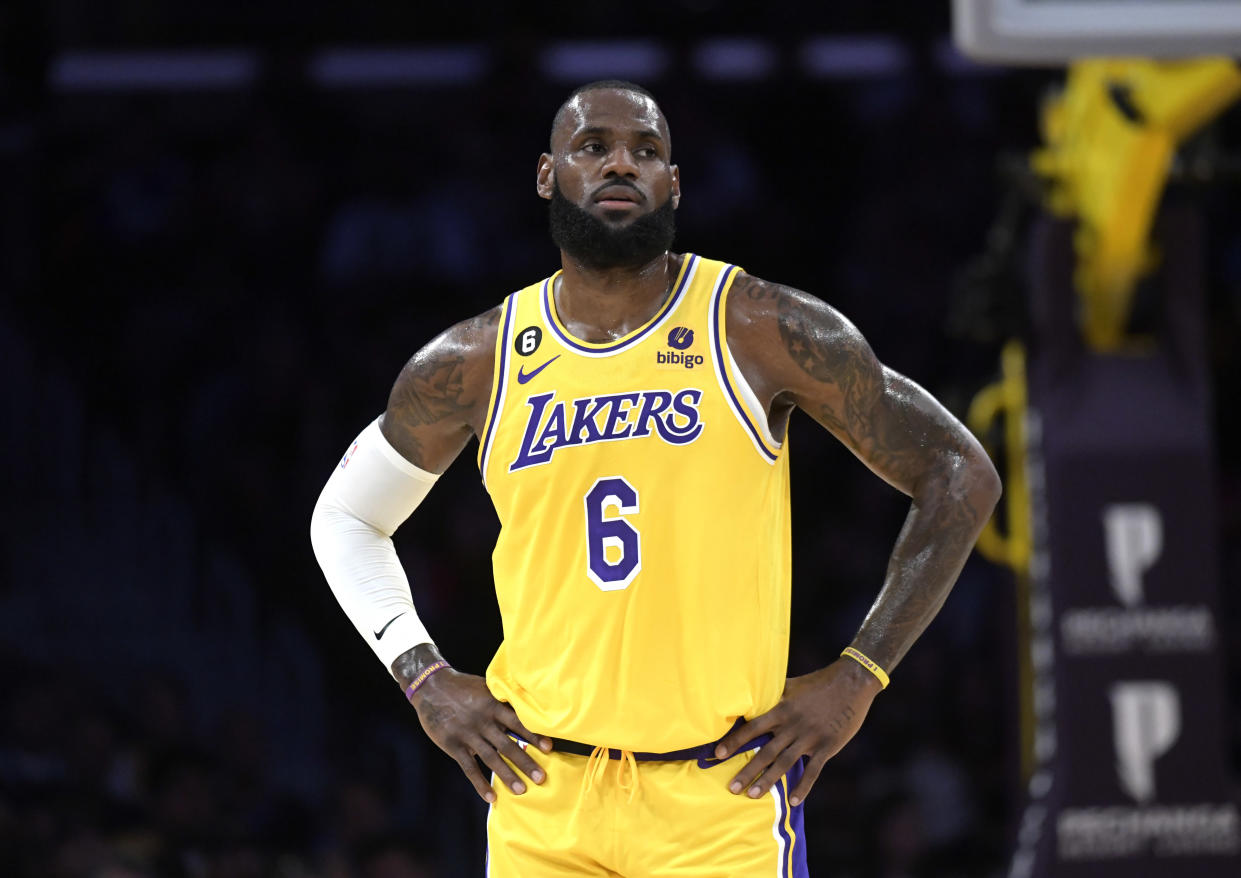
{"x": 1132, "y": 777}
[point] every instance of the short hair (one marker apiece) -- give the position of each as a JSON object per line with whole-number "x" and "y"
{"x": 598, "y": 85}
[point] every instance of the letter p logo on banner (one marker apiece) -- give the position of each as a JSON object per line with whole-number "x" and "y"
{"x": 1146, "y": 721}
{"x": 1133, "y": 534}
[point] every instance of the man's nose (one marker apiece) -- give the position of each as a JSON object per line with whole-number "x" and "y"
{"x": 620, "y": 162}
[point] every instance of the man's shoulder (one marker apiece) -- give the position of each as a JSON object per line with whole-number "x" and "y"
{"x": 485, "y": 323}
{"x": 472, "y": 337}
{"x": 772, "y": 326}
{"x": 750, "y": 289}
{"x": 475, "y": 337}
{"x": 465, "y": 350}
{"x": 754, "y": 305}
{"x": 754, "y": 302}
{"x": 440, "y": 397}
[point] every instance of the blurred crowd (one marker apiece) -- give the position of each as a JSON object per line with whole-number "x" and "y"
{"x": 94, "y": 788}
{"x": 226, "y": 285}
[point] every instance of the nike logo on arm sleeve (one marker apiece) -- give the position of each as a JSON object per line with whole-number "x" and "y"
{"x": 379, "y": 635}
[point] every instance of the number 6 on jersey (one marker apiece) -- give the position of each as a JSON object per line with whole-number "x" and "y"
{"x": 614, "y": 533}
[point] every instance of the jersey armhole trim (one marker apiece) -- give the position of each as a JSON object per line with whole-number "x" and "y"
{"x": 737, "y": 391}
{"x": 499, "y": 386}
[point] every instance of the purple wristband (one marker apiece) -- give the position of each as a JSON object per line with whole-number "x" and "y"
{"x": 423, "y": 677}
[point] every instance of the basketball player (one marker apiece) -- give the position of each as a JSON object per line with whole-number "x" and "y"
{"x": 630, "y": 412}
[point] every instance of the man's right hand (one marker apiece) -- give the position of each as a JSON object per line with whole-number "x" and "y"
{"x": 459, "y": 713}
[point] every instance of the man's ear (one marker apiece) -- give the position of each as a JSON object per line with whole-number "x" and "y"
{"x": 545, "y": 178}
{"x": 676, "y": 186}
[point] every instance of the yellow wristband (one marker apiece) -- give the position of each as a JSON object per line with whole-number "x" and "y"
{"x": 868, "y": 664}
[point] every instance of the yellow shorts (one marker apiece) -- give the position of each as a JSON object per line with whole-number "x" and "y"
{"x": 616, "y": 817}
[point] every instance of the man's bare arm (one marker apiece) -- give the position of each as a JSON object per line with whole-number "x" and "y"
{"x": 911, "y": 441}
{"x": 813, "y": 358}
{"x": 797, "y": 351}
{"x": 437, "y": 403}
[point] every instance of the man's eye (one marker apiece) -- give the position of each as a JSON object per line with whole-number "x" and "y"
{"x": 593, "y": 147}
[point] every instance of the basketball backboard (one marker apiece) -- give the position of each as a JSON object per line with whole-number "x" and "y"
{"x": 1059, "y": 31}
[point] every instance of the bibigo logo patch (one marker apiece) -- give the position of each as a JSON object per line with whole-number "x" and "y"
{"x": 680, "y": 338}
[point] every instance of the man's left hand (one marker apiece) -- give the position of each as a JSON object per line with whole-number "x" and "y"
{"x": 818, "y": 714}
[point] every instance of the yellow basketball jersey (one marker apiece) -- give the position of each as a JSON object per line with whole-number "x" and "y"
{"x": 643, "y": 562}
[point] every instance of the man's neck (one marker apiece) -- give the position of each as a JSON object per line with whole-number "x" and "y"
{"x": 600, "y": 305}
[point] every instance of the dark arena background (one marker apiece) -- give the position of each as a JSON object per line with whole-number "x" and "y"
{"x": 224, "y": 228}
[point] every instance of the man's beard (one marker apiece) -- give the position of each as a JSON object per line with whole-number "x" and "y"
{"x": 598, "y": 244}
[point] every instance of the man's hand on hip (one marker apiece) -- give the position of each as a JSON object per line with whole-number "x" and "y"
{"x": 818, "y": 714}
{"x": 461, "y": 716}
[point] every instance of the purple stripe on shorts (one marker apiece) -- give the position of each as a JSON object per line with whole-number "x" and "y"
{"x": 796, "y": 821}
{"x": 782, "y": 808}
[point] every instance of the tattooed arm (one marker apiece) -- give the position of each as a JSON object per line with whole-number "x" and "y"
{"x": 798, "y": 352}
{"x": 437, "y": 403}
{"x": 440, "y": 398}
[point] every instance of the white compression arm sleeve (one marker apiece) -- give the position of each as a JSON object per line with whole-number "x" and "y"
{"x": 369, "y": 494}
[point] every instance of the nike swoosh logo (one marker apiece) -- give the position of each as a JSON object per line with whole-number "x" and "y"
{"x": 523, "y": 376}
{"x": 379, "y": 635}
